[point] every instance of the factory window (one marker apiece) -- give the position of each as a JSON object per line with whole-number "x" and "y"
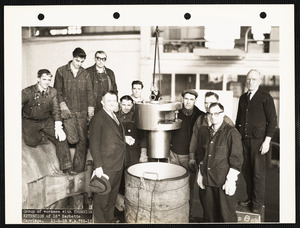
{"x": 269, "y": 83}
{"x": 81, "y": 30}
{"x": 180, "y": 39}
{"x": 182, "y": 82}
{"x": 253, "y": 39}
{"x": 163, "y": 83}
{"x": 211, "y": 81}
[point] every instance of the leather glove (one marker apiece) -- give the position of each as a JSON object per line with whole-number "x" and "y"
{"x": 90, "y": 113}
{"x": 143, "y": 157}
{"x": 230, "y": 183}
{"x": 192, "y": 162}
{"x": 99, "y": 173}
{"x": 59, "y": 132}
{"x": 200, "y": 180}
{"x": 65, "y": 112}
{"x": 129, "y": 140}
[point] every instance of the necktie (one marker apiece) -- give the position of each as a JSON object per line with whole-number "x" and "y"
{"x": 115, "y": 119}
{"x": 248, "y": 97}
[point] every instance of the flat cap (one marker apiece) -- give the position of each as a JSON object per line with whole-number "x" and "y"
{"x": 191, "y": 91}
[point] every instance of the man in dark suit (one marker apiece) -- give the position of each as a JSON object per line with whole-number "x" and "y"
{"x": 107, "y": 146}
{"x": 256, "y": 121}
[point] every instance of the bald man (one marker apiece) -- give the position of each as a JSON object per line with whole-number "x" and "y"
{"x": 256, "y": 121}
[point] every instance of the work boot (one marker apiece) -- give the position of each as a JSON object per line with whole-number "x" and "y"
{"x": 245, "y": 203}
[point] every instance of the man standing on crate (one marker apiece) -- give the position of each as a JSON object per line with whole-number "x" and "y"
{"x": 256, "y": 121}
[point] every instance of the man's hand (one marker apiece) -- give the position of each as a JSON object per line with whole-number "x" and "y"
{"x": 59, "y": 132}
{"x": 99, "y": 173}
{"x": 265, "y": 146}
{"x": 65, "y": 112}
{"x": 193, "y": 165}
{"x": 129, "y": 140}
{"x": 192, "y": 162}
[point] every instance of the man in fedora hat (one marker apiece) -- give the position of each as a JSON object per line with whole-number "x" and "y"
{"x": 107, "y": 146}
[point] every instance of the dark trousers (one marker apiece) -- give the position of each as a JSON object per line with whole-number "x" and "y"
{"x": 36, "y": 132}
{"x": 104, "y": 205}
{"x": 219, "y": 207}
{"x": 81, "y": 147}
{"x": 254, "y": 171}
{"x": 202, "y": 201}
{"x": 192, "y": 181}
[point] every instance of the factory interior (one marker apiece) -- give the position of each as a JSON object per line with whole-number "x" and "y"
{"x": 203, "y": 58}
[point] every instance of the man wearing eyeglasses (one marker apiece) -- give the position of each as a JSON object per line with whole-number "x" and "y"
{"x": 220, "y": 154}
{"x": 203, "y": 120}
{"x": 75, "y": 97}
{"x": 103, "y": 78}
{"x": 256, "y": 121}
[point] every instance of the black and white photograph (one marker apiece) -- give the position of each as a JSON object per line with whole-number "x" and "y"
{"x": 170, "y": 114}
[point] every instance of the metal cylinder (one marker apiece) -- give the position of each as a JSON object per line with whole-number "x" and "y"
{"x": 159, "y": 144}
{"x": 158, "y": 118}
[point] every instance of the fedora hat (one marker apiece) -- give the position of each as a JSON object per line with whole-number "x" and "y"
{"x": 100, "y": 185}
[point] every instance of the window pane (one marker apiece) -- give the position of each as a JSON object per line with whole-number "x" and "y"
{"x": 163, "y": 83}
{"x": 211, "y": 81}
{"x": 182, "y": 82}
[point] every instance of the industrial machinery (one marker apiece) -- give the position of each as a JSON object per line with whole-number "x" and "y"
{"x": 158, "y": 117}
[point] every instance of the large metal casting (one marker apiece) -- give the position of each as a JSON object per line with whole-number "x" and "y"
{"x": 158, "y": 118}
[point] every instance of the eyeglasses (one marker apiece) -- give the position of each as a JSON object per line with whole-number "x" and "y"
{"x": 216, "y": 114}
{"x": 101, "y": 59}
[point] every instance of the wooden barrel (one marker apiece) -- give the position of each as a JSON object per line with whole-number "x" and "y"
{"x": 156, "y": 193}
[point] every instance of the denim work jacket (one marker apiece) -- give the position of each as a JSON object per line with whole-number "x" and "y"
{"x": 39, "y": 107}
{"x": 218, "y": 153}
{"x": 77, "y": 91}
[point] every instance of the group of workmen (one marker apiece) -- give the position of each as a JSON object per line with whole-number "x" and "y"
{"x": 82, "y": 109}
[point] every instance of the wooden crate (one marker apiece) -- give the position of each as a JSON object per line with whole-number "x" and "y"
{"x": 244, "y": 215}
